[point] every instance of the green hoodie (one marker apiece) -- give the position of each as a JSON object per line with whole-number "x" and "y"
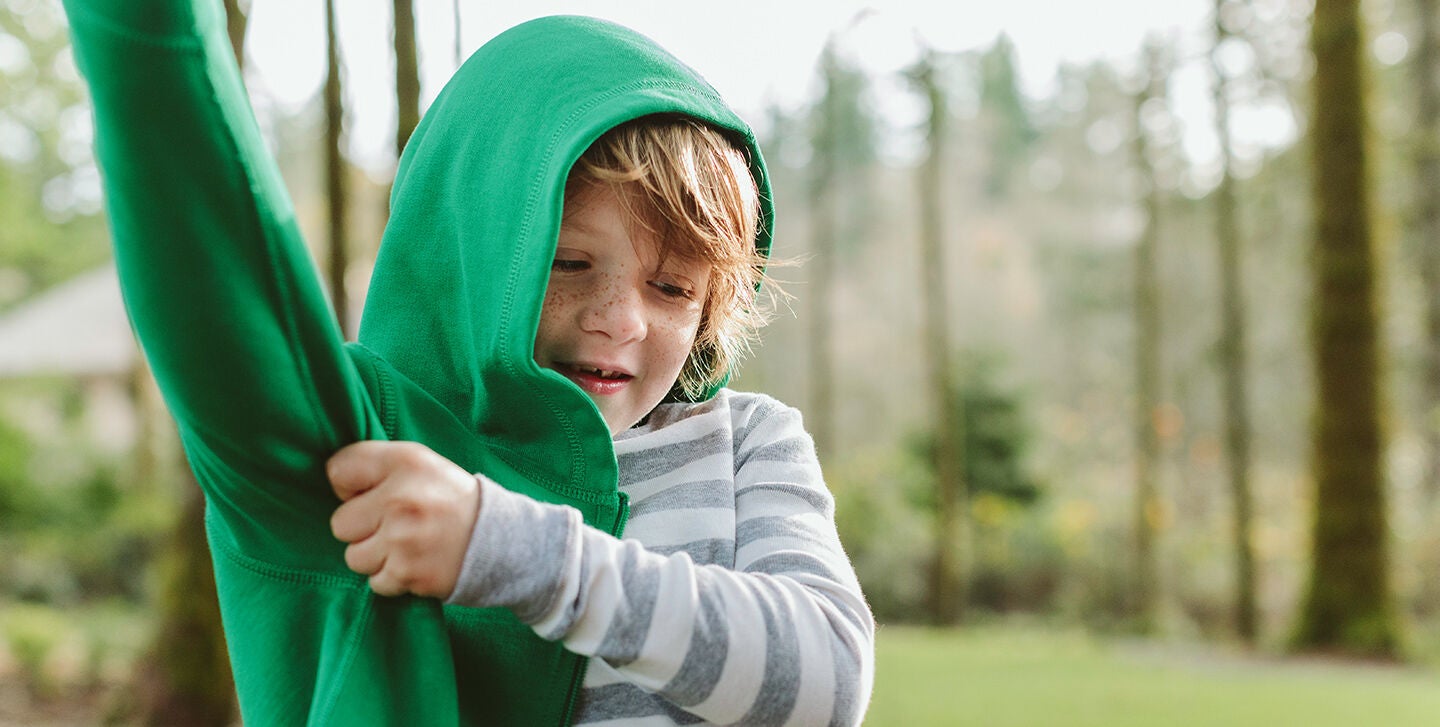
{"x": 233, "y": 320}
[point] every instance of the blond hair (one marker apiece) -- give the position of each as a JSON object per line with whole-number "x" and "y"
{"x": 688, "y": 185}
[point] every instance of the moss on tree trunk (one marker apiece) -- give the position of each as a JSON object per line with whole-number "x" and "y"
{"x": 1348, "y": 607}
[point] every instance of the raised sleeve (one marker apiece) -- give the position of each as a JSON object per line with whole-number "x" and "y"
{"x": 217, "y": 282}
{"x": 785, "y": 637}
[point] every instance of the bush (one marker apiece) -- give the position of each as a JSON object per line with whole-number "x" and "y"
{"x": 886, "y": 535}
{"x": 1019, "y": 565}
{"x": 33, "y": 634}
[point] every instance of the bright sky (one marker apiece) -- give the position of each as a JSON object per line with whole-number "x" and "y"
{"x": 754, "y": 52}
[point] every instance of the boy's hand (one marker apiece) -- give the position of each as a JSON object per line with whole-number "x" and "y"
{"x": 407, "y": 515}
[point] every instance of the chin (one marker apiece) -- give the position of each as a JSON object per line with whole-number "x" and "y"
{"x": 617, "y": 426}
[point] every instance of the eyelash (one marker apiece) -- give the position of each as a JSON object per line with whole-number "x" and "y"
{"x": 672, "y": 291}
{"x": 569, "y": 266}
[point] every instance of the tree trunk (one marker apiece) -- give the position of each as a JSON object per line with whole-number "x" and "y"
{"x": 1348, "y": 608}
{"x": 1424, "y": 232}
{"x": 407, "y": 74}
{"x": 186, "y": 680}
{"x": 335, "y": 183}
{"x": 947, "y": 579}
{"x": 407, "y": 83}
{"x": 236, "y": 22}
{"x": 823, "y": 172}
{"x": 1147, "y": 363}
{"x": 1427, "y": 223}
{"x": 459, "y": 37}
{"x": 1233, "y": 351}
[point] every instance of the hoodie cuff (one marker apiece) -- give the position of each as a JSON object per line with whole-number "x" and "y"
{"x": 517, "y": 553}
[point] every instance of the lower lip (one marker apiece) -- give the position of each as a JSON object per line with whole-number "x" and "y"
{"x": 596, "y": 385}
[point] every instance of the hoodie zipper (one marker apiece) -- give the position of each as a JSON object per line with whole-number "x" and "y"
{"x": 583, "y": 663}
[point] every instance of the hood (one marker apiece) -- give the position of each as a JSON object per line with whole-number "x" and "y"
{"x": 458, "y": 285}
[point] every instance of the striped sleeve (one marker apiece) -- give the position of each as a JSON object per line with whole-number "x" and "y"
{"x": 783, "y": 637}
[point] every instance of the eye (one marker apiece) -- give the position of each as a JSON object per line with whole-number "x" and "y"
{"x": 670, "y": 290}
{"x": 569, "y": 266}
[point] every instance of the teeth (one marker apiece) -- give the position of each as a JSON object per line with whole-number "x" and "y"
{"x": 600, "y": 372}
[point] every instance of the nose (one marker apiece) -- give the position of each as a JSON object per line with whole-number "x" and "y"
{"x": 618, "y": 312}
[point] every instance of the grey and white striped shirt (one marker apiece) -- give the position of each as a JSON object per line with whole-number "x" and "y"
{"x": 730, "y": 599}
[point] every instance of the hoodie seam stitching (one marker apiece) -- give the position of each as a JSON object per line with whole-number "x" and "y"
{"x": 578, "y": 460}
{"x": 283, "y": 573}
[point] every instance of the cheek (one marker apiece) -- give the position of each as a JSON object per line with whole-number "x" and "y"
{"x": 560, "y": 300}
{"x": 552, "y": 312}
{"x": 676, "y": 336}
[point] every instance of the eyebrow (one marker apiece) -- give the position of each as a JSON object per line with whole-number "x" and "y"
{"x": 568, "y": 218}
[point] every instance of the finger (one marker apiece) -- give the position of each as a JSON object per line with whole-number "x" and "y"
{"x": 357, "y": 519}
{"x": 359, "y": 467}
{"x": 386, "y": 583}
{"x": 366, "y": 557}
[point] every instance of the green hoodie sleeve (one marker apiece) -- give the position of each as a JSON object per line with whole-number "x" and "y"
{"x": 218, "y": 284}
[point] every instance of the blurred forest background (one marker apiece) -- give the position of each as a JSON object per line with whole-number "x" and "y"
{"x": 1058, "y": 371}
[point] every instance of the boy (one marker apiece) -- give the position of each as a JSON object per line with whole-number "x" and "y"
{"x": 576, "y": 233}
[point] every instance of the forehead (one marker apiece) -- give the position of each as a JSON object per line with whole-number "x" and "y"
{"x": 600, "y": 215}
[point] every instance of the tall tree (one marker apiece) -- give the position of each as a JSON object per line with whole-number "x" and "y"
{"x": 1008, "y": 127}
{"x": 1147, "y": 351}
{"x": 1236, "y": 404}
{"x": 842, "y": 150}
{"x": 337, "y": 192}
{"x": 947, "y": 584}
{"x": 1348, "y": 606}
{"x": 407, "y": 81}
{"x": 1426, "y": 73}
{"x": 824, "y": 194}
{"x": 407, "y": 74}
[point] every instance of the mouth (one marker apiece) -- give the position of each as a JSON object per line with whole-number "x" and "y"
{"x": 594, "y": 379}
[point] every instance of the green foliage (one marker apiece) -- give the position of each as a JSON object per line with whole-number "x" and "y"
{"x": 883, "y": 531}
{"x": 995, "y": 440}
{"x": 88, "y": 539}
{"x": 996, "y": 435}
{"x": 844, "y": 143}
{"x": 63, "y": 652}
{"x": 49, "y": 190}
{"x": 17, "y": 497}
{"x": 1003, "y": 112}
{"x": 1019, "y": 565}
{"x": 844, "y": 128}
{"x": 885, "y": 506}
{"x": 32, "y": 633}
{"x": 73, "y": 526}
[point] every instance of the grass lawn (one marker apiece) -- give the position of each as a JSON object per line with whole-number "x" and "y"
{"x": 1023, "y": 677}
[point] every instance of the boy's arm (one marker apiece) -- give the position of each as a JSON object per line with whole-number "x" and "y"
{"x": 785, "y": 637}
{"x": 218, "y": 285}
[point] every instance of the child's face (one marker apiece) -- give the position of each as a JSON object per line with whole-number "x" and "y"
{"x": 617, "y": 322}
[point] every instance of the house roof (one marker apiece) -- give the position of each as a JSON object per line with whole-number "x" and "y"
{"x": 77, "y": 328}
